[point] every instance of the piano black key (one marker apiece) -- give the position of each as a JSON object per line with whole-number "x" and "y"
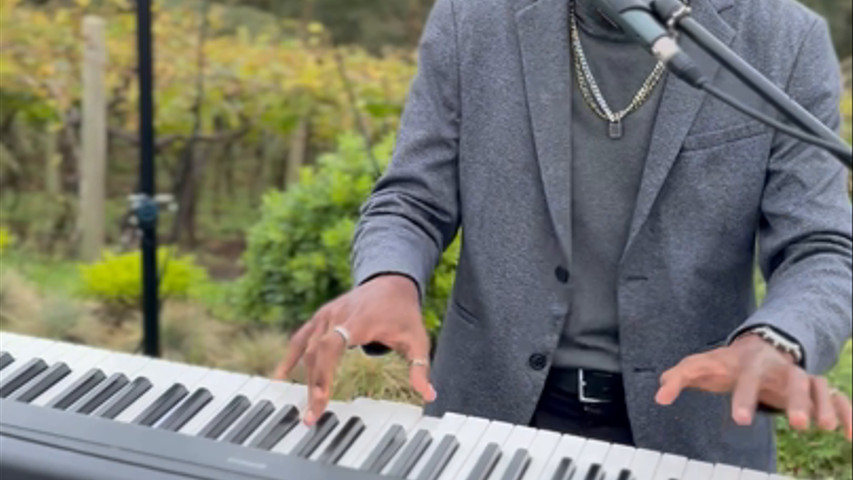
{"x": 6, "y": 359}
{"x": 626, "y": 474}
{"x": 76, "y": 390}
{"x": 120, "y": 401}
{"x": 100, "y": 394}
{"x": 565, "y": 470}
{"x": 39, "y": 385}
{"x": 229, "y": 414}
{"x": 487, "y": 461}
{"x": 383, "y": 452}
{"x": 162, "y": 405}
{"x": 279, "y": 425}
{"x": 22, "y": 375}
{"x": 442, "y": 455}
{"x": 411, "y": 454}
{"x": 187, "y": 410}
{"x": 517, "y": 465}
{"x": 316, "y": 434}
{"x": 343, "y": 440}
{"x": 249, "y": 423}
{"x": 595, "y": 472}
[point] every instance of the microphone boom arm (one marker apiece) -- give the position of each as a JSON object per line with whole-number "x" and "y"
{"x": 674, "y": 14}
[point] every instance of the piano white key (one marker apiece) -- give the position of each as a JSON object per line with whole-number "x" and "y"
{"x": 344, "y": 414}
{"x": 224, "y": 386}
{"x": 375, "y": 417}
{"x": 9, "y": 340}
{"x": 404, "y": 415}
{"x": 450, "y": 424}
{"x": 747, "y": 474}
{"x": 670, "y": 466}
{"x": 86, "y": 360}
{"x": 278, "y": 393}
{"x": 496, "y": 432}
{"x": 162, "y": 374}
{"x": 469, "y": 435}
{"x": 570, "y": 446}
{"x": 619, "y": 457}
{"x": 593, "y": 452}
{"x": 425, "y": 423}
{"x": 541, "y": 449}
{"x": 697, "y": 470}
{"x": 287, "y": 444}
{"x": 644, "y": 464}
{"x": 519, "y": 437}
{"x": 57, "y": 351}
{"x": 25, "y": 349}
{"x": 725, "y": 472}
{"x": 124, "y": 363}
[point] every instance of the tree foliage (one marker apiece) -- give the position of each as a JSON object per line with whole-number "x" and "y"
{"x": 260, "y": 81}
{"x": 298, "y": 252}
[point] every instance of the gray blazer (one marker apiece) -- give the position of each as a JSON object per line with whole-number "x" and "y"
{"x": 485, "y": 146}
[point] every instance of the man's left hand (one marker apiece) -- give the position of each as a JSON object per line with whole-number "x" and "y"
{"x": 756, "y": 373}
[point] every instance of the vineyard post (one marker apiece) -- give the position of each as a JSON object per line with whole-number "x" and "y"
{"x": 94, "y": 139}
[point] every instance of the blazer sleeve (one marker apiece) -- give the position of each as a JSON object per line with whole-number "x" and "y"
{"x": 805, "y": 228}
{"x": 413, "y": 213}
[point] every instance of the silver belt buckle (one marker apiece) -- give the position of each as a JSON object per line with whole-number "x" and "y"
{"x": 581, "y": 386}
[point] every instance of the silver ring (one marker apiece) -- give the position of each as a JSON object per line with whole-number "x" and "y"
{"x": 344, "y": 334}
{"x": 419, "y": 362}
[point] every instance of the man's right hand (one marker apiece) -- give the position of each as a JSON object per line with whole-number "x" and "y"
{"x": 386, "y": 310}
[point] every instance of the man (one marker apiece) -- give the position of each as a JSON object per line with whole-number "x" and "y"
{"x": 605, "y": 282}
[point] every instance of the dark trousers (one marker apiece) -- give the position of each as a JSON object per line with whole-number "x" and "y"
{"x": 561, "y": 410}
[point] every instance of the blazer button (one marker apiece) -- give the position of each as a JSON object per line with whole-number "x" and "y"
{"x": 537, "y": 361}
{"x": 562, "y": 274}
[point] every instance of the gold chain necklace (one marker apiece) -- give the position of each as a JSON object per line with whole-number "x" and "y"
{"x": 592, "y": 93}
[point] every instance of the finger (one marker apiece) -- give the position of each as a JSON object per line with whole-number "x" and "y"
{"x": 745, "y": 395}
{"x": 325, "y": 353}
{"x": 415, "y": 348}
{"x": 826, "y": 416}
{"x": 677, "y": 378}
{"x": 295, "y": 349}
{"x": 799, "y": 398}
{"x": 844, "y": 409}
{"x": 672, "y": 382}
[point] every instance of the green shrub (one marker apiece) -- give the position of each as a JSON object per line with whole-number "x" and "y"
{"x": 116, "y": 280}
{"x": 298, "y": 253}
{"x": 6, "y": 239}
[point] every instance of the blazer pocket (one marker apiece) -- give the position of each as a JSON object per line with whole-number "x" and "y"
{"x": 715, "y": 138}
{"x": 463, "y": 313}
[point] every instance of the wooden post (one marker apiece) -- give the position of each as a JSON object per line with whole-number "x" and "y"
{"x": 93, "y": 160}
{"x": 296, "y": 157}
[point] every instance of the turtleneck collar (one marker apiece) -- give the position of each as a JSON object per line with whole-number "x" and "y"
{"x": 593, "y": 22}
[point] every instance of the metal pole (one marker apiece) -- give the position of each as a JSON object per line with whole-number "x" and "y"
{"x": 147, "y": 208}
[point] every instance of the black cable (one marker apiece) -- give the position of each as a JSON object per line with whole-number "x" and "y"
{"x": 843, "y": 153}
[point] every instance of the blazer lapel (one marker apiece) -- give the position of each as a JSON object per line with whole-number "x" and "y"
{"x": 678, "y": 107}
{"x": 544, "y": 39}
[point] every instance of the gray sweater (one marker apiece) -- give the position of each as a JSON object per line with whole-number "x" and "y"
{"x": 606, "y": 176}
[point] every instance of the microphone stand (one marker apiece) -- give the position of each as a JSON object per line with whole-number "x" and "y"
{"x": 676, "y": 16}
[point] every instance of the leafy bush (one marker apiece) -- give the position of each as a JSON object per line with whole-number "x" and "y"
{"x": 6, "y": 239}
{"x": 116, "y": 280}
{"x": 298, "y": 253}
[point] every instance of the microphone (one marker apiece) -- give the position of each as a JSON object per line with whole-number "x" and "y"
{"x": 637, "y": 19}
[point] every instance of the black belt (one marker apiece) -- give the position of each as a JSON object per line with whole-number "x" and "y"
{"x": 589, "y": 386}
